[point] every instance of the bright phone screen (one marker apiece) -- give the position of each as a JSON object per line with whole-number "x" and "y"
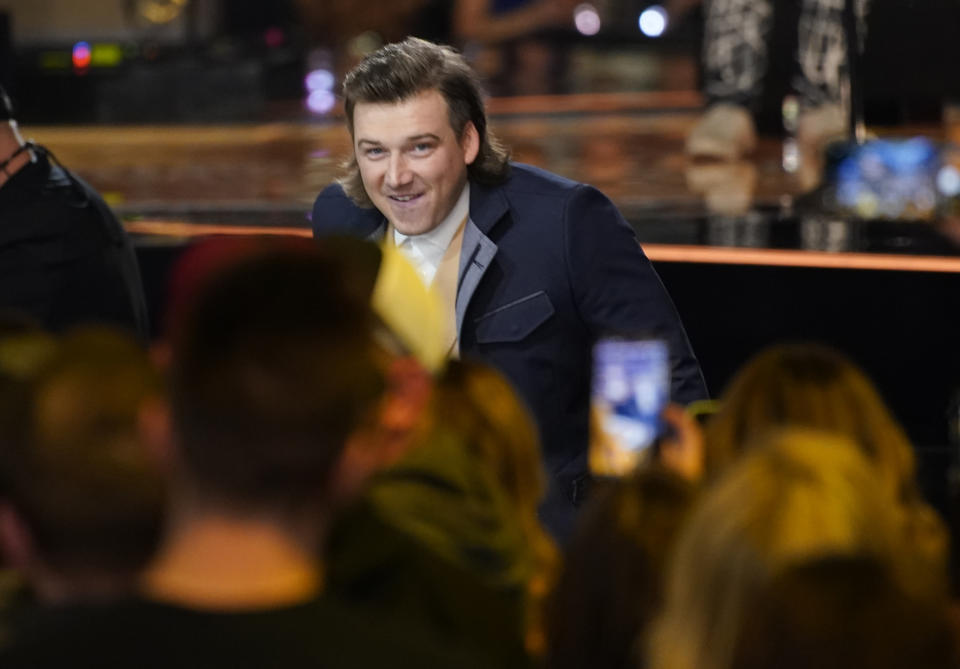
{"x": 630, "y": 387}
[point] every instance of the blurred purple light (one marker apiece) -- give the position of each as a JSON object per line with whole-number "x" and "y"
{"x": 319, "y": 80}
{"x": 321, "y": 101}
{"x": 586, "y": 19}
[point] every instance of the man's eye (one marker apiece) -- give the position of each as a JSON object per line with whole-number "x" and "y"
{"x": 422, "y": 147}
{"x": 373, "y": 152}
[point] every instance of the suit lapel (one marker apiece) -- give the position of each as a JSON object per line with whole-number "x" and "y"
{"x": 487, "y": 207}
{"x": 366, "y": 222}
{"x": 380, "y": 233}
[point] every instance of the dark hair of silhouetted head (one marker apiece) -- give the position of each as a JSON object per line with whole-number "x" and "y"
{"x": 612, "y": 582}
{"x": 272, "y": 369}
{"x": 77, "y": 470}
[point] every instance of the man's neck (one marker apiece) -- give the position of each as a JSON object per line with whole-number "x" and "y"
{"x": 220, "y": 562}
{"x": 10, "y": 143}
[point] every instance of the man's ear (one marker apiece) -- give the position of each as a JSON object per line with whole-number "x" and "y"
{"x": 470, "y": 143}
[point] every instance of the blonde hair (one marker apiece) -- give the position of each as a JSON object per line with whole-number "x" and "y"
{"x": 798, "y": 494}
{"x": 480, "y": 404}
{"x": 809, "y": 385}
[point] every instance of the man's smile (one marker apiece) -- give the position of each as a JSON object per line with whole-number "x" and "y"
{"x": 403, "y": 199}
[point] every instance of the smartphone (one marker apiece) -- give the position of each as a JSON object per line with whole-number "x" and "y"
{"x": 629, "y": 389}
{"x": 891, "y": 179}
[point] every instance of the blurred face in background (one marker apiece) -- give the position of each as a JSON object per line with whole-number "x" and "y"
{"x": 412, "y": 163}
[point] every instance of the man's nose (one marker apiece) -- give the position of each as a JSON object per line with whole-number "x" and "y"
{"x": 398, "y": 174}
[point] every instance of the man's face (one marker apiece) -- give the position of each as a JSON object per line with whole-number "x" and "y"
{"x": 412, "y": 163}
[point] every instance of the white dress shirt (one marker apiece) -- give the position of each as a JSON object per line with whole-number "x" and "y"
{"x": 426, "y": 251}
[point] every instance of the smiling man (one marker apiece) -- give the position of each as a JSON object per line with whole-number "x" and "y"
{"x": 415, "y": 180}
{"x": 533, "y": 267}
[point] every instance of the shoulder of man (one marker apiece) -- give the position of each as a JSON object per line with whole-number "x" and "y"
{"x": 535, "y": 194}
{"x": 44, "y": 203}
{"x": 334, "y": 213}
{"x": 532, "y": 180}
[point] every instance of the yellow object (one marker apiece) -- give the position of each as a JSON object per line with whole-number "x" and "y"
{"x": 411, "y": 310}
{"x": 106, "y": 55}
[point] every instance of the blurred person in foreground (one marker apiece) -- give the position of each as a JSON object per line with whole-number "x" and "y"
{"x": 419, "y": 525}
{"x": 612, "y": 582}
{"x": 809, "y": 385}
{"x": 813, "y": 386}
{"x": 843, "y": 612}
{"x": 532, "y": 268}
{"x": 64, "y": 257}
{"x": 796, "y": 495}
{"x": 264, "y": 395}
{"x": 24, "y": 347}
{"x": 446, "y": 526}
{"x": 81, "y": 494}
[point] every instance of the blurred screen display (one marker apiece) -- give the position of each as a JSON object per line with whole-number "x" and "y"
{"x": 892, "y": 179}
{"x": 631, "y": 386}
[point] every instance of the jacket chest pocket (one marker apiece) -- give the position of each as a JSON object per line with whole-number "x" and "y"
{"x": 514, "y": 321}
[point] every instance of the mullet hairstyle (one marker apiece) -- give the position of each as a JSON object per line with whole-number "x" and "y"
{"x": 397, "y": 72}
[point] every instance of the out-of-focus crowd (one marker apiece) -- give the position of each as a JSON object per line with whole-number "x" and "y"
{"x": 294, "y": 474}
{"x": 284, "y": 479}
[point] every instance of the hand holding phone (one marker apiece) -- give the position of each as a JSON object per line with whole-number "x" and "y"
{"x": 681, "y": 450}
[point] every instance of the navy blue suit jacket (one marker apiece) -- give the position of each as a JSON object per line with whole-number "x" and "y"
{"x": 547, "y": 266}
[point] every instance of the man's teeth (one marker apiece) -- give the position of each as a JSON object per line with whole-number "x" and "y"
{"x": 403, "y": 198}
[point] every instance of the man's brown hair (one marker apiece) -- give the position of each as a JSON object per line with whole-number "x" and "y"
{"x": 397, "y": 72}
